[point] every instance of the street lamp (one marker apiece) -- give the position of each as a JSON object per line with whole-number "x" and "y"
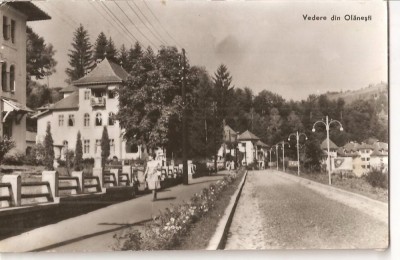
{"x": 297, "y": 144}
{"x": 283, "y": 153}
{"x": 327, "y": 124}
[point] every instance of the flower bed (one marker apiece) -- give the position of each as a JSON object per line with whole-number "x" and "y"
{"x": 173, "y": 225}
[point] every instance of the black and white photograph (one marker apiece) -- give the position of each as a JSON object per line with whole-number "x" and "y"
{"x": 152, "y": 125}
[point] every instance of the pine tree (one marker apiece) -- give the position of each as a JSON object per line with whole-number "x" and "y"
{"x": 111, "y": 51}
{"x": 135, "y": 54}
{"x": 80, "y": 56}
{"x": 100, "y": 47}
{"x": 49, "y": 150}
{"x": 78, "y": 153}
{"x": 123, "y": 58}
{"x": 105, "y": 146}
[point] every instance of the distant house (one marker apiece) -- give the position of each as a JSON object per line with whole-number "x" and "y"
{"x": 13, "y": 109}
{"x": 365, "y": 157}
{"x": 333, "y": 148}
{"x": 248, "y": 145}
{"x": 89, "y": 104}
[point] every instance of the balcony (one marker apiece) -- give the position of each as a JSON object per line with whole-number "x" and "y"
{"x": 98, "y": 101}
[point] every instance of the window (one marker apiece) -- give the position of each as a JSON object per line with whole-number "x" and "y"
{"x": 99, "y": 120}
{"x": 60, "y": 120}
{"x": 12, "y": 78}
{"x": 111, "y": 118}
{"x": 87, "y": 94}
{"x": 6, "y": 28}
{"x": 4, "y": 77}
{"x": 112, "y": 145}
{"x": 111, "y": 93}
{"x": 368, "y": 166}
{"x": 367, "y": 159}
{"x": 7, "y": 130}
{"x": 86, "y": 146}
{"x": 362, "y": 159}
{"x": 97, "y": 147}
{"x": 71, "y": 120}
{"x": 13, "y": 31}
{"x": 131, "y": 148}
{"x": 86, "y": 120}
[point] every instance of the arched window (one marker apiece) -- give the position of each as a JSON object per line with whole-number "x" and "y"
{"x": 86, "y": 120}
{"x": 111, "y": 118}
{"x": 4, "y": 76}
{"x": 99, "y": 120}
{"x": 12, "y": 78}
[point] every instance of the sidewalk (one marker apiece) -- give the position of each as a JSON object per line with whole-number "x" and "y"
{"x": 93, "y": 231}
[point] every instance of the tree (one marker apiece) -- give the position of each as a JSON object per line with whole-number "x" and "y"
{"x": 313, "y": 155}
{"x": 49, "y": 149}
{"x": 200, "y": 120}
{"x": 100, "y": 47}
{"x": 40, "y": 60}
{"x": 134, "y": 55}
{"x": 123, "y": 58}
{"x": 222, "y": 90}
{"x": 80, "y": 57}
{"x": 105, "y": 146}
{"x": 150, "y": 100}
{"x": 111, "y": 51}
{"x": 78, "y": 153}
{"x": 5, "y": 146}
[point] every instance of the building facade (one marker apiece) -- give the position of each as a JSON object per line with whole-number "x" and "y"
{"x": 88, "y": 109}
{"x": 13, "y": 110}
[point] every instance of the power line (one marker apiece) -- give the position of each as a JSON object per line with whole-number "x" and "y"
{"x": 158, "y": 37}
{"x": 121, "y": 24}
{"x": 165, "y": 30}
{"x": 59, "y": 17}
{"x": 105, "y": 17}
{"x": 137, "y": 28}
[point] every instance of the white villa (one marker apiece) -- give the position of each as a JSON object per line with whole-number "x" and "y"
{"x": 89, "y": 104}
{"x": 13, "y": 110}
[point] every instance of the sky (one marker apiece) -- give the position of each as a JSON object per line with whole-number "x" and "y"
{"x": 265, "y": 44}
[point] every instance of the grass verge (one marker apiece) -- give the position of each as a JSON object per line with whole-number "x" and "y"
{"x": 356, "y": 185}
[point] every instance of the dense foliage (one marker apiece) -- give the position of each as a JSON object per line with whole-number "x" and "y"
{"x": 48, "y": 149}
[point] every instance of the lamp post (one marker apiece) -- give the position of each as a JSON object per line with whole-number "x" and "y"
{"x": 283, "y": 154}
{"x": 327, "y": 124}
{"x": 270, "y": 156}
{"x": 276, "y": 146}
{"x": 297, "y": 145}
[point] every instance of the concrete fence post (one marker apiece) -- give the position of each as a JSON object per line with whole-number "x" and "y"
{"x": 115, "y": 173}
{"x": 99, "y": 173}
{"x": 52, "y": 178}
{"x": 15, "y": 193}
{"x": 79, "y": 175}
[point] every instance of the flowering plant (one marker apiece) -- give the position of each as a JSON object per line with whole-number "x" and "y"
{"x": 166, "y": 230}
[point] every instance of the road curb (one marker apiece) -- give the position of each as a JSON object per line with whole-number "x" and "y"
{"x": 219, "y": 238}
{"x": 374, "y": 208}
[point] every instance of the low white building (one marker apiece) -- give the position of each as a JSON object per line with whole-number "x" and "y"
{"x": 248, "y": 145}
{"x": 88, "y": 106}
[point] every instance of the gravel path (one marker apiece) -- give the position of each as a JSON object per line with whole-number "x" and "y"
{"x": 276, "y": 213}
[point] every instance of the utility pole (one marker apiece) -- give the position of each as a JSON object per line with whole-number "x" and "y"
{"x": 214, "y": 106}
{"x": 184, "y": 126}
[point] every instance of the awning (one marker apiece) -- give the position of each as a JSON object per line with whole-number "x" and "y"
{"x": 11, "y": 106}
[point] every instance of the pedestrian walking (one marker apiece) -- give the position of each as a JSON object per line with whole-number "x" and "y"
{"x": 152, "y": 175}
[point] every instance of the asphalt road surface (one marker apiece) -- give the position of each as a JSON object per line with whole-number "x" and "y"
{"x": 276, "y": 213}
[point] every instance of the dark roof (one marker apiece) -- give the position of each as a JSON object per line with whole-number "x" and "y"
{"x": 332, "y": 145}
{"x": 260, "y": 143}
{"x": 68, "y": 89}
{"x": 70, "y": 102}
{"x": 247, "y": 135}
{"x": 33, "y": 12}
{"x": 106, "y": 72}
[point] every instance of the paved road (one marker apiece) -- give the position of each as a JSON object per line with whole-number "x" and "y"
{"x": 94, "y": 231}
{"x": 277, "y": 213}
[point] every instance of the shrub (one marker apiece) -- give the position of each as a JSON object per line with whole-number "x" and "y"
{"x": 35, "y": 155}
{"x": 15, "y": 159}
{"x": 5, "y": 146}
{"x": 376, "y": 178}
